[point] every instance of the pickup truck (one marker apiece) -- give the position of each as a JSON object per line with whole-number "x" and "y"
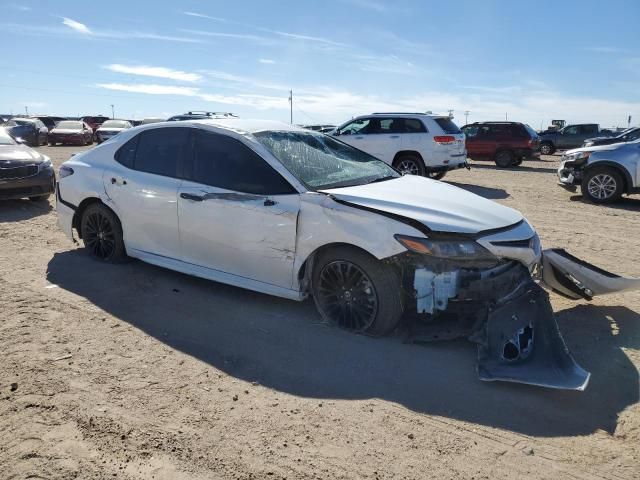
{"x": 571, "y": 136}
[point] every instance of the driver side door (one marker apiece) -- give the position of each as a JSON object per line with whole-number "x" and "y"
{"x": 236, "y": 214}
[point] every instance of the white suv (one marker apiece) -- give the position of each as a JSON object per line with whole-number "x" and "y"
{"x": 416, "y": 143}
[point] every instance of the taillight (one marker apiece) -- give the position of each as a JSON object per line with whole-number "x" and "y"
{"x": 444, "y": 139}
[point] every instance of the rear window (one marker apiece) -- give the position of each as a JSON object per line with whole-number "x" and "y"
{"x": 531, "y": 131}
{"x": 70, "y": 125}
{"x": 447, "y": 125}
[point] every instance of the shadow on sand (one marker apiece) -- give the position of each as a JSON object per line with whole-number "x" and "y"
{"x": 283, "y": 345}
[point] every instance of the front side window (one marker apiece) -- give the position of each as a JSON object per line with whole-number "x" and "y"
{"x": 355, "y": 127}
{"x": 321, "y": 162}
{"x": 224, "y": 162}
{"x": 571, "y": 130}
{"x": 162, "y": 150}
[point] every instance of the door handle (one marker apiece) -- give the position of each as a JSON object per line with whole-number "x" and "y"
{"x": 189, "y": 196}
{"x": 269, "y": 203}
{"x": 358, "y": 138}
{"x": 395, "y": 136}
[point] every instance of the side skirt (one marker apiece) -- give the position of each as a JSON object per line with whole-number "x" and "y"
{"x": 215, "y": 275}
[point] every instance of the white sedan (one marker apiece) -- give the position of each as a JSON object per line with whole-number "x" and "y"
{"x": 289, "y": 212}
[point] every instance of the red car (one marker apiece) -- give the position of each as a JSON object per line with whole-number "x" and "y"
{"x": 94, "y": 121}
{"x": 506, "y": 143}
{"x": 72, "y": 132}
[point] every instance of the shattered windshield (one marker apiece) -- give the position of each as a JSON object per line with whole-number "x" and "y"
{"x": 322, "y": 162}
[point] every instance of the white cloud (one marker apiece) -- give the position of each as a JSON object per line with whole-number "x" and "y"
{"x": 159, "y": 72}
{"x": 77, "y": 26}
{"x": 208, "y": 17}
{"x": 151, "y": 89}
{"x": 267, "y": 61}
{"x": 237, "y": 36}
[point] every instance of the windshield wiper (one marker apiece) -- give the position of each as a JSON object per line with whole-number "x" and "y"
{"x": 383, "y": 179}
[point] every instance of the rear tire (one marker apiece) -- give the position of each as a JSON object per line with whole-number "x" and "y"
{"x": 356, "y": 291}
{"x": 547, "y": 148}
{"x": 102, "y": 234}
{"x": 504, "y": 158}
{"x": 602, "y": 185}
{"x": 410, "y": 165}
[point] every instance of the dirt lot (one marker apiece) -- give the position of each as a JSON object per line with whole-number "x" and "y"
{"x": 137, "y": 372}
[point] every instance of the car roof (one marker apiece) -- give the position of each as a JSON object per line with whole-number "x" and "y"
{"x": 404, "y": 114}
{"x": 248, "y": 125}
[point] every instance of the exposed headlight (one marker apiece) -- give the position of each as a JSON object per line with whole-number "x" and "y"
{"x": 449, "y": 248}
{"x": 577, "y": 158}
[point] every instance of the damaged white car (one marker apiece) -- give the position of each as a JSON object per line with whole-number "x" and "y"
{"x": 290, "y": 212}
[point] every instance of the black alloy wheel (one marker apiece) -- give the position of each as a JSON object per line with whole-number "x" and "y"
{"x": 347, "y": 295}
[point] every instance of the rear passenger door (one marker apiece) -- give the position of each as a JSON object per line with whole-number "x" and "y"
{"x": 142, "y": 187}
{"x": 237, "y": 214}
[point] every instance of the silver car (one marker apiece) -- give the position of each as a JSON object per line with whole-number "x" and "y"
{"x": 604, "y": 173}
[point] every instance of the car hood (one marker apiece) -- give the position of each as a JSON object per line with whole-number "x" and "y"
{"x": 13, "y": 154}
{"x": 439, "y": 206}
{"x": 597, "y": 148}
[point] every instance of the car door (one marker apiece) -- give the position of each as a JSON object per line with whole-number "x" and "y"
{"x": 567, "y": 137}
{"x": 237, "y": 214}
{"x": 142, "y": 186}
{"x": 361, "y": 134}
{"x": 482, "y": 142}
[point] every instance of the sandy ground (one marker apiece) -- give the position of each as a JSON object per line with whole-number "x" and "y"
{"x": 134, "y": 372}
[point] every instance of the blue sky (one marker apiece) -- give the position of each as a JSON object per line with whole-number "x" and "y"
{"x": 534, "y": 61}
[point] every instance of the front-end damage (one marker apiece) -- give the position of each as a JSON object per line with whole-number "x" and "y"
{"x": 498, "y": 306}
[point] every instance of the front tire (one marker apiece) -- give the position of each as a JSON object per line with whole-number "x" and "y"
{"x": 437, "y": 175}
{"x": 102, "y": 234}
{"x": 410, "y": 165}
{"x": 357, "y": 292}
{"x": 602, "y": 185}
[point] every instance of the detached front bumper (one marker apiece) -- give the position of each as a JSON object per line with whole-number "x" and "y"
{"x": 500, "y": 308}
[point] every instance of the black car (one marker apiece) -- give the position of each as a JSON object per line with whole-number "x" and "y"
{"x": 30, "y": 130}
{"x": 24, "y": 173}
{"x": 50, "y": 121}
{"x": 198, "y": 115}
{"x": 628, "y": 135}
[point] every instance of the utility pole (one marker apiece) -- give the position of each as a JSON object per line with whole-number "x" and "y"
{"x": 113, "y": 112}
{"x": 26, "y": 110}
{"x": 505, "y": 116}
{"x": 450, "y": 113}
{"x": 466, "y": 116}
{"x": 291, "y": 106}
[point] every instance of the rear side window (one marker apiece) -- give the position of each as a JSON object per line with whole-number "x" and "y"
{"x": 161, "y": 150}
{"x": 413, "y": 125}
{"x": 447, "y": 125}
{"x": 224, "y": 162}
{"x": 126, "y": 154}
{"x": 589, "y": 129}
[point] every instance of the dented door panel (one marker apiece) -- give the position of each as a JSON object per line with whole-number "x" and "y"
{"x": 574, "y": 278}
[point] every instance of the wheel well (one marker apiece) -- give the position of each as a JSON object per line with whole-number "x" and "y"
{"x": 406, "y": 152}
{"x": 626, "y": 177}
{"x": 76, "y": 222}
{"x": 306, "y": 269}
